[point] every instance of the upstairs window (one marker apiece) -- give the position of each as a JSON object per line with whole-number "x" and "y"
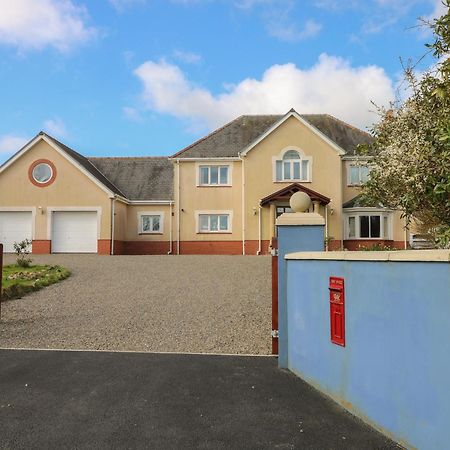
{"x": 214, "y": 175}
{"x": 293, "y": 167}
{"x": 358, "y": 175}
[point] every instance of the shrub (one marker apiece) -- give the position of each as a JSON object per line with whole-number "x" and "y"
{"x": 22, "y": 252}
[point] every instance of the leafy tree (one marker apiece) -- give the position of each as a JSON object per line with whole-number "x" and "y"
{"x": 411, "y": 166}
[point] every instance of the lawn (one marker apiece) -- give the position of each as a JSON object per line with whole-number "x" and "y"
{"x": 18, "y": 281}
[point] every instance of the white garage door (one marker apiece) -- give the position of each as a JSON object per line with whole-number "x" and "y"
{"x": 14, "y": 227}
{"x": 74, "y": 232}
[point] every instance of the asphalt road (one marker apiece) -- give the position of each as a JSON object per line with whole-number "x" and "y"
{"x": 100, "y": 400}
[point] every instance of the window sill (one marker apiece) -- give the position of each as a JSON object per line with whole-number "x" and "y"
{"x": 367, "y": 239}
{"x": 292, "y": 181}
{"x": 213, "y": 185}
{"x": 214, "y": 232}
{"x": 152, "y": 233}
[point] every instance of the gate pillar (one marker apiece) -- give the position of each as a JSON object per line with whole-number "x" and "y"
{"x": 299, "y": 231}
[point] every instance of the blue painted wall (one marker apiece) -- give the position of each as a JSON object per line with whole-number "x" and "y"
{"x": 395, "y": 369}
{"x": 302, "y": 238}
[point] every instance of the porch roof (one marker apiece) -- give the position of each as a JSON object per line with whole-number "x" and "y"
{"x": 285, "y": 193}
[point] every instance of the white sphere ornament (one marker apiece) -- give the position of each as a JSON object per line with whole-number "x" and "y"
{"x": 300, "y": 202}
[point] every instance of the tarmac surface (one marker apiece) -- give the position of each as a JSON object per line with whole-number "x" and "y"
{"x": 104, "y": 400}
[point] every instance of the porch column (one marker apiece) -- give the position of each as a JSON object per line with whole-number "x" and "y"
{"x": 299, "y": 231}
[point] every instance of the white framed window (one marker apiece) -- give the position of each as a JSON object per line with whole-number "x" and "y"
{"x": 214, "y": 175}
{"x": 292, "y": 165}
{"x": 368, "y": 225}
{"x": 214, "y": 221}
{"x": 151, "y": 222}
{"x": 357, "y": 174}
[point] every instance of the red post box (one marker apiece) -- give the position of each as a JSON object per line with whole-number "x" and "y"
{"x": 337, "y": 310}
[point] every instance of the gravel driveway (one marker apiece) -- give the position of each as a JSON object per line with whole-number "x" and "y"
{"x": 217, "y": 304}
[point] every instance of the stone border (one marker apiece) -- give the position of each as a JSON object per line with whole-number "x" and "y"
{"x": 405, "y": 255}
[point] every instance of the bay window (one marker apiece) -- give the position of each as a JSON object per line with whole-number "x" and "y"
{"x": 368, "y": 225}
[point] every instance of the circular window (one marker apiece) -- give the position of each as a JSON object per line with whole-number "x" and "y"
{"x": 42, "y": 173}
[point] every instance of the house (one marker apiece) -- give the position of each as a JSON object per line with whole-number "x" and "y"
{"x": 220, "y": 195}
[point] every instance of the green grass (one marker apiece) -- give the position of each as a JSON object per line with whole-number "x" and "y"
{"x": 18, "y": 281}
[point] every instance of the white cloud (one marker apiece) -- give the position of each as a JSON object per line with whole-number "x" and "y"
{"x": 187, "y": 57}
{"x": 10, "y": 144}
{"x": 439, "y": 9}
{"x": 56, "y": 127}
{"x": 331, "y": 86}
{"x": 35, "y": 24}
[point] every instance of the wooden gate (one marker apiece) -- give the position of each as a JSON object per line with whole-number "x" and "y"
{"x": 274, "y": 296}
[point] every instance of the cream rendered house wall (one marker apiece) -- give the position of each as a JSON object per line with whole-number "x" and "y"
{"x": 133, "y": 232}
{"x": 192, "y": 198}
{"x": 325, "y": 171}
{"x": 71, "y": 188}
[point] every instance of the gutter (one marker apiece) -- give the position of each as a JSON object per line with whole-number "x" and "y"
{"x": 178, "y": 206}
{"x": 259, "y": 229}
{"x": 113, "y": 220}
{"x": 243, "y": 201}
{"x": 170, "y": 230}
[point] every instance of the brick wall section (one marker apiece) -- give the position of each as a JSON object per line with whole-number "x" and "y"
{"x": 146, "y": 247}
{"x": 351, "y": 244}
{"x": 41, "y": 247}
{"x": 104, "y": 247}
{"x": 334, "y": 245}
{"x": 251, "y": 247}
{"x": 210, "y": 247}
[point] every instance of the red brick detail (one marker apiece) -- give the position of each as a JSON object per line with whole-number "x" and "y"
{"x": 104, "y": 246}
{"x": 334, "y": 245}
{"x": 34, "y": 164}
{"x": 251, "y": 247}
{"x": 119, "y": 247}
{"x": 357, "y": 244}
{"x": 41, "y": 247}
{"x": 221, "y": 247}
{"x": 146, "y": 247}
{"x": 210, "y": 247}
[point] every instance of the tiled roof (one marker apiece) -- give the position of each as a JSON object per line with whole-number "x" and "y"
{"x": 235, "y": 136}
{"x": 141, "y": 178}
{"x": 86, "y": 165}
{"x": 360, "y": 202}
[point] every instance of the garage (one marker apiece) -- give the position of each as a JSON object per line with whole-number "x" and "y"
{"x": 15, "y": 226}
{"x": 74, "y": 231}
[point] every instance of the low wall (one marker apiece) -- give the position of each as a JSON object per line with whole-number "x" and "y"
{"x": 394, "y": 371}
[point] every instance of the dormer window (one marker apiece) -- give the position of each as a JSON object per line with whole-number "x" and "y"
{"x": 293, "y": 166}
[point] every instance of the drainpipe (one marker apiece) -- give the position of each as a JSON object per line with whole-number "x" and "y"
{"x": 243, "y": 203}
{"x": 326, "y": 227}
{"x": 178, "y": 207}
{"x": 259, "y": 229}
{"x": 170, "y": 229}
{"x": 113, "y": 216}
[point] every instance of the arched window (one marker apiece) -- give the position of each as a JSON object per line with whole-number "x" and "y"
{"x": 293, "y": 167}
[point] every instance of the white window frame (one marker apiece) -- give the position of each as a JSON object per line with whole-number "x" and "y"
{"x": 385, "y": 235}
{"x": 302, "y": 156}
{"x": 215, "y": 213}
{"x": 349, "y": 174}
{"x": 209, "y": 165}
{"x": 141, "y": 214}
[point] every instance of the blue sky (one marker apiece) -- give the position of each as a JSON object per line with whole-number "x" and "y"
{"x": 147, "y": 77}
